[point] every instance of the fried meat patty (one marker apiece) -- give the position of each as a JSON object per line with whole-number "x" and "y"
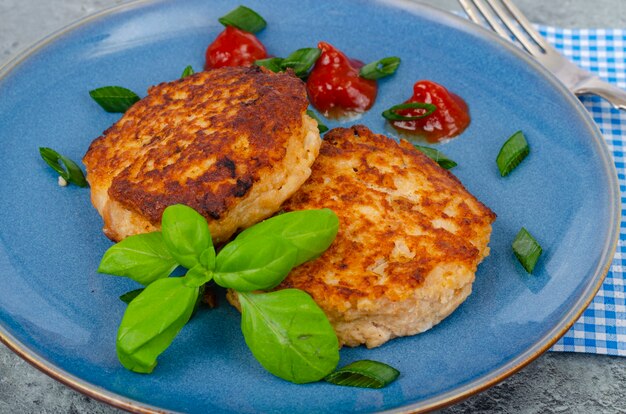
{"x": 232, "y": 143}
{"x": 410, "y": 238}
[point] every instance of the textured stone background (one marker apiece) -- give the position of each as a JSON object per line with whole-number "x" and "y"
{"x": 555, "y": 383}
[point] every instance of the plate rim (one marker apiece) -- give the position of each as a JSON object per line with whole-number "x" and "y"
{"x": 439, "y": 401}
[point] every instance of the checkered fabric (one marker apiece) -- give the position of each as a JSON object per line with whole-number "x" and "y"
{"x": 602, "y": 327}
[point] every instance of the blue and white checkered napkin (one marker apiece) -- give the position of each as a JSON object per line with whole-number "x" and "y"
{"x": 602, "y": 327}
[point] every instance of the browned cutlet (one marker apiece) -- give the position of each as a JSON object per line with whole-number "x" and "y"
{"x": 232, "y": 143}
{"x": 410, "y": 238}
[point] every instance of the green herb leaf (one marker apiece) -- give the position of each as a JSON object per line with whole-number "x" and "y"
{"x": 187, "y": 72}
{"x": 309, "y": 231}
{"x": 143, "y": 258}
{"x": 273, "y": 64}
{"x": 392, "y": 115}
{"x": 512, "y": 153}
{"x": 244, "y": 18}
{"x": 364, "y": 374}
{"x": 526, "y": 249}
{"x": 320, "y": 125}
{"x": 437, "y": 156}
{"x": 254, "y": 263}
{"x": 301, "y": 60}
{"x": 152, "y": 321}
{"x": 186, "y": 234}
{"x": 70, "y": 171}
{"x": 129, "y": 296}
{"x": 289, "y": 335}
{"x": 197, "y": 276}
{"x": 114, "y": 98}
{"x": 381, "y": 68}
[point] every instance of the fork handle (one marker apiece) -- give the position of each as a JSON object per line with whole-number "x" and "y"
{"x": 595, "y": 86}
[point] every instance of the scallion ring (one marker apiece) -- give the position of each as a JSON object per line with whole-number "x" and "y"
{"x": 512, "y": 153}
{"x": 70, "y": 171}
{"x": 187, "y": 72}
{"x": 364, "y": 374}
{"x": 437, "y": 156}
{"x": 245, "y": 19}
{"x": 392, "y": 115}
{"x": 381, "y": 68}
{"x": 526, "y": 249}
{"x": 301, "y": 60}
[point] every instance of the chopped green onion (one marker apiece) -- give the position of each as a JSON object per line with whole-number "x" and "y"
{"x": 301, "y": 60}
{"x": 70, "y": 171}
{"x": 437, "y": 156}
{"x": 526, "y": 249}
{"x": 244, "y": 18}
{"x": 514, "y": 150}
{"x": 274, "y": 64}
{"x": 320, "y": 125}
{"x": 114, "y": 98}
{"x": 391, "y": 114}
{"x": 129, "y": 296}
{"x": 187, "y": 72}
{"x": 364, "y": 374}
{"x": 381, "y": 68}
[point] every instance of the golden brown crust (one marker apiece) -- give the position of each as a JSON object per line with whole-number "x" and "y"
{"x": 406, "y": 225}
{"x": 203, "y": 141}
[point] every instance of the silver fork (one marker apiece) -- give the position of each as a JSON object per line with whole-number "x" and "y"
{"x": 508, "y": 21}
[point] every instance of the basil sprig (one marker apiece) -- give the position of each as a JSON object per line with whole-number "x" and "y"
{"x": 64, "y": 166}
{"x": 258, "y": 259}
{"x": 114, "y": 98}
{"x": 381, "y": 68}
{"x": 245, "y": 19}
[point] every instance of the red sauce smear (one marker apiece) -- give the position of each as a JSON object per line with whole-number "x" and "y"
{"x": 449, "y": 120}
{"x": 335, "y": 87}
{"x": 234, "y": 47}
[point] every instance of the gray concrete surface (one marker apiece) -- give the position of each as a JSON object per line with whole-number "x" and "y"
{"x": 555, "y": 383}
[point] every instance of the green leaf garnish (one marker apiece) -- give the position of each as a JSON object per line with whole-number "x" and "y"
{"x": 186, "y": 234}
{"x": 129, "y": 296}
{"x": 254, "y": 263}
{"x": 526, "y": 249}
{"x": 244, "y": 18}
{"x": 142, "y": 257}
{"x": 392, "y": 115}
{"x": 152, "y": 321}
{"x": 320, "y": 125}
{"x": 70, "y": 171}
{"x": 364, "y": 374}
{"x": 437, "y": 156}
{"x": 301, "y": 60}
{"x": 273, "y": 64}
{"x": 381, "y": 68}
{"x": 289, "y": 335}
{"x": 114, "y": 98}
{"x": 512, "y": 153}
{"x": 187, "y": 72}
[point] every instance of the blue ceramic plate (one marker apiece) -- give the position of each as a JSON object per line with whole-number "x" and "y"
{"x": 62, "y": 316}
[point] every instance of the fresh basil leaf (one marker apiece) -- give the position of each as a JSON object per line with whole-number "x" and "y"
{"x": 186, "y": 234}
{"x": 437, "y": 156}
{"x": 129, "y": 296}
{"x": 70, "y": 171}
{"x": 114, "y": 98}
{"x": 244, "y": 18}
{"x": 187, "y": 72}
{"x": 197, "y": 276}
{"x": 289, "y": 335}
{"x": 273, "y": 64}
{"x": 254, "y": 264}
{"x": 207, "y": 258}
{"x": 309, "y": 231}
{"x": 143, "y": 258}
{"x": 152, "y": 321}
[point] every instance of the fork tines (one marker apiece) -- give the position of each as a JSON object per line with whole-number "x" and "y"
{"x": 508, "y": 21}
